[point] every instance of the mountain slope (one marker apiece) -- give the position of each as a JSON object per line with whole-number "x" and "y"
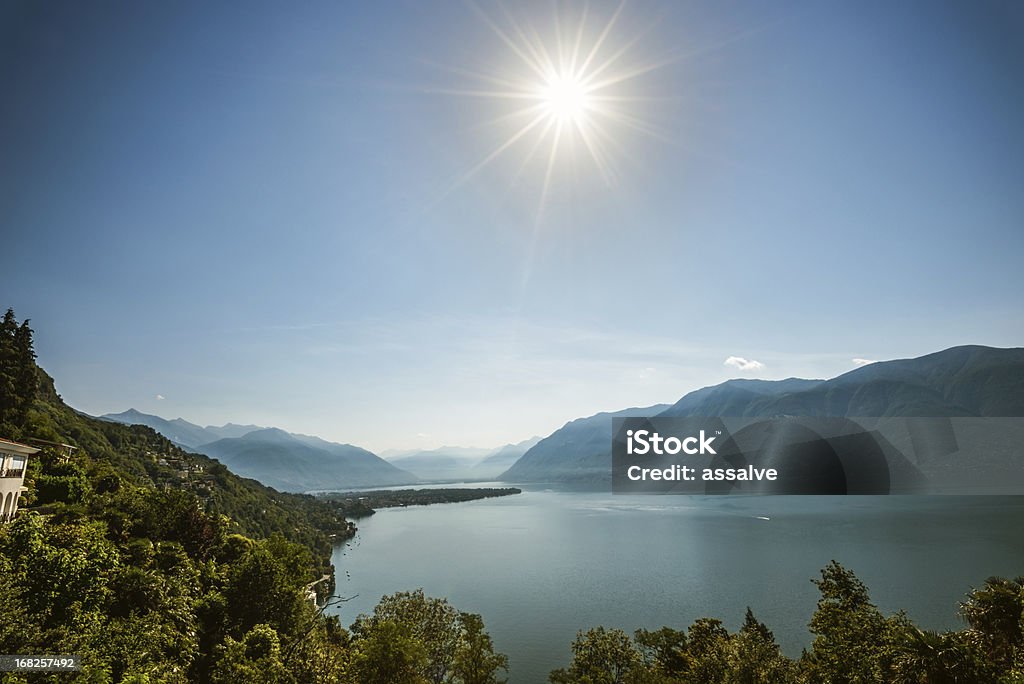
{"x": 179, "y": 431}
{"x": 279, "y": 459}
{"x": 960, "y": 381}
{"x": 734, "y": 395}
{"x": 286, "y": 462}
{"x": 503, "y": 458}
{"x": 110, "y": 453}
{"x": 578, "y": 451}
{"x": 229, "y": 430}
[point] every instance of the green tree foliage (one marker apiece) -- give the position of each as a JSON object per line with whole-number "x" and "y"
{"x": 265, "y": 586}
{"x": 600, "y": 656}
{"x": 70, "y": 488}
{"x": 475, "y": 659}
{"x": 62, "y": 570}
{"x": 664, "y": 652}
{"x": 708, "y": 649}
{"x": 388, "y": 652}
{"x": 854, "y": 641}
{"x": 995, "y": 614}
{"x": 946, "y": 658}
{"x": 432, "y": 621}
{"x": 753, "y": 657}
{"x": 18, "y": 379}
{"x": 256, "y": 659}
{"x": 322, "y": 655}
{"x": 78, "y": 596}
{"x": 453, "y": 645}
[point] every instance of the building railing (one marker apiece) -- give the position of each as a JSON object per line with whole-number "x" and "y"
{"x": 10, "y": 472}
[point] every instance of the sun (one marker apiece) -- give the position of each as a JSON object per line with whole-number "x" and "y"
{"x": 569, "y": 83}
{"x": 566, "y": 99}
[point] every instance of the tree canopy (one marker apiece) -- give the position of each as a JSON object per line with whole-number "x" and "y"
{"x": 854, "y": 643}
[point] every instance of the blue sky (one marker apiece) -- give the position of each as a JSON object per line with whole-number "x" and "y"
{"x": 260, "y": 212}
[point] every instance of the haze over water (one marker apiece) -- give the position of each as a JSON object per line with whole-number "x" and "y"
{"x": 544, "y": 564}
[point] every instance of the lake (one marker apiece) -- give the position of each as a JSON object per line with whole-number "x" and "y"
{"x": 544, "y": 564}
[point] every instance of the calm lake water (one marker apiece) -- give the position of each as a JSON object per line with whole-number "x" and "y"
{"x": 544, "y": 564}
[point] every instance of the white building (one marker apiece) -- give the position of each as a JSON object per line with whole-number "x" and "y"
{"x": 13, "y": 457}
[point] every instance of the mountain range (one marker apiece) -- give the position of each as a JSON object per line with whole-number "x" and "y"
{"x": 296, "y": 462}
{"x": 966, "y": 381}
{"x": 180, "y": 431}
{"x": 282, "y": 460}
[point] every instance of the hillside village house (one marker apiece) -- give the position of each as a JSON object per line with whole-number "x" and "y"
{"x": 13, "y": 458}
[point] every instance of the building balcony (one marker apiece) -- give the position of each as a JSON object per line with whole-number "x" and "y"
{"x": 10, "y": 472}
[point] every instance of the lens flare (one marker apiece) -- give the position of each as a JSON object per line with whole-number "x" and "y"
{"x": 573, "y": 91}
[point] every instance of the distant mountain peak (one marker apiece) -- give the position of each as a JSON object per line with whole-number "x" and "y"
{"x": 129, "y": 412}
{"x": 271, "y": 433}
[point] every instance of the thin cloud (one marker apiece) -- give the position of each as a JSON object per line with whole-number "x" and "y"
{"x": 743, "y": 364}
{"x": 862, "y": 362}
{"x": 159, "y": 397}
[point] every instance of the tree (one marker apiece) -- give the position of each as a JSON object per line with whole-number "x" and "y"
{"x": 25, "y": 377}
{"x": 854, "y": 643}
{"x": 62, "y": 569}
{"x": 19, "y": 626}
{"x": 755, "y": 658}
{"x": 431, "y": 621}
{"x": 599, "y": 656}
{"x": 934, "y": 658}
{"x": 708, "y": 641}
{"x": 995, "y": 613}
{"x": 175, "y": 515}
{"x": 322, "y": 654}
{"x": 388, "y": 652}
{"x": 475, "y": 660}
{"x": 266, "y": 587}
{"x": 256, "y": 659}
{"x": 17, "y": 373}
{"x": 454, "y": 645}
{"x": 664, "y": 651}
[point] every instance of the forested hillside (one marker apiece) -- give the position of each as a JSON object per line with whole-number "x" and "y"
{"x": 157, "y": 565}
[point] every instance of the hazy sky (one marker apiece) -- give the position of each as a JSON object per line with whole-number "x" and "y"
{"x": 263, "y": 212}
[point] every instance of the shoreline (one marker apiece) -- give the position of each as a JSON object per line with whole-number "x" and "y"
{"x": 361, "y": 504}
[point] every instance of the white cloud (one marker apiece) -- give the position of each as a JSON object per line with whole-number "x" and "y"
{"x": 743, "y": 364}
{"x": 862, "y": 362}
{"x": 159, "y": 397}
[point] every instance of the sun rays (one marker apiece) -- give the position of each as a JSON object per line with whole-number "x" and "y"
{"x": 567, "y": 95}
